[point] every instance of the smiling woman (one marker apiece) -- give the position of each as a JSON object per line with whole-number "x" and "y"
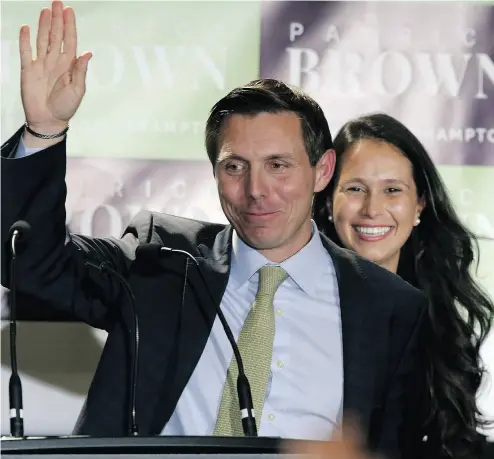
{"x": 388, "y": 203}
{"x": 375, "y": 205}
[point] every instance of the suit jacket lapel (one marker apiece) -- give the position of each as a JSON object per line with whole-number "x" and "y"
{"x": 215, "y": 263}
{"x": 359, "y": 321}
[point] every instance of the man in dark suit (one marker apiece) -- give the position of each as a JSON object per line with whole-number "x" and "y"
{"x": 322, "y": 332}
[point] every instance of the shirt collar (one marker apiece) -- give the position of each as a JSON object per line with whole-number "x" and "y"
{"x": 304, "y": 268}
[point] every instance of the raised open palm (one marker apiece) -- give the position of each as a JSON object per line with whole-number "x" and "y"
{"x": 53, "y": 84}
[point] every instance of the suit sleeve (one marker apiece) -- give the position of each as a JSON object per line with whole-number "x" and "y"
{"x": 51, "y": 264}
{"x": 403, "y": 401}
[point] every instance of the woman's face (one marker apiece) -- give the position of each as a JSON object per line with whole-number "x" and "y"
{"x": 375, "y": 204}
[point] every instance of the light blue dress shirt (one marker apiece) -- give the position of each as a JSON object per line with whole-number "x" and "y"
{"x": 305, "y": 391}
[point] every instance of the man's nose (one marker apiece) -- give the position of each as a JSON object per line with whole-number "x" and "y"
{"x": 256, "y": 184}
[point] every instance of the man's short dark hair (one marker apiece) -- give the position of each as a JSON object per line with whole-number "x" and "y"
{"x": 271, "y": 96}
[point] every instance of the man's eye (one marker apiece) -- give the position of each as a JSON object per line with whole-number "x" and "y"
{"x": 355, "y": 189}
{"x": 278, "y": 166}
{"x": 233, "y": 167}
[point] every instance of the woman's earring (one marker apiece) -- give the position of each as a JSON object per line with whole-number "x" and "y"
{"x": 417, "y": 222}
{"x": 330, "y": 218}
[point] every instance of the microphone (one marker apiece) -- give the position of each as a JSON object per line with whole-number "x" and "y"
{"x": 17, "y": 233}
{"x": 133, "y": 429}
{"x": 153, "y": 251}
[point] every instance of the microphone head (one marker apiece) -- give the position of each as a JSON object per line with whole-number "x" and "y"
{"x": 149, "y": 251}
{"x": 22, "y": 227}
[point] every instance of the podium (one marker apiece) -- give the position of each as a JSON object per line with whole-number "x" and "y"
{"x": 141, "y": 447}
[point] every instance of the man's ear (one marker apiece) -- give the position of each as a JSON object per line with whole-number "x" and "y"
{"x": 325, "y": 170}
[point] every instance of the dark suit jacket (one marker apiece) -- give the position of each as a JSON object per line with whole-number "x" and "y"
{"x": 381, "y": 315}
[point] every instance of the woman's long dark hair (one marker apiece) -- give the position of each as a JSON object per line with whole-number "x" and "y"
{"x": 436, "y": 258}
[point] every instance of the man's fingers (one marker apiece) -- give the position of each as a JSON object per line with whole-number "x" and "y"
{"x": 56, "y": 30}
{"x": 347, "y": 442}
{"x": 80, "y": 71}
{"x": 70, "y": 32}
{"x": 43, "y": 33}
{"x": 350, "y": 430}
{"x": 323, "y": 450}
{"x": 25, "y": 50}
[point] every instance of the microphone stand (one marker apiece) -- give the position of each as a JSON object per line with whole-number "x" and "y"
{"x": 133, "y": 429}
{"x": 15, "y": 385}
